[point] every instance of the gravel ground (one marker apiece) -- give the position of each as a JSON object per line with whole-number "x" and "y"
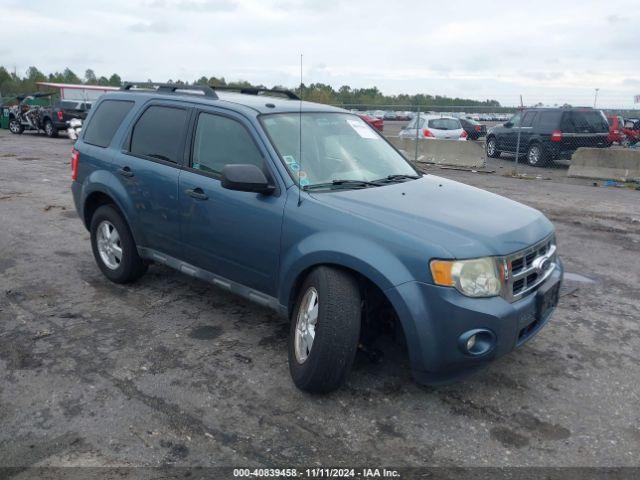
{"x": 172, "y": 371}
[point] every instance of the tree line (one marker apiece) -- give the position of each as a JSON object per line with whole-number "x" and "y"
{"x": 12, "y": 84}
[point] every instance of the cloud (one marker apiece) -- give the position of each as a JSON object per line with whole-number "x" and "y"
{"x": 149, "y": 27}
{"x": 400, "y": 47}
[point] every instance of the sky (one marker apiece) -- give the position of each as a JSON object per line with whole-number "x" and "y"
{"x": 548, "y": 51}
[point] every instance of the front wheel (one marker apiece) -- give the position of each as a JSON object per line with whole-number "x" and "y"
{"x": 113, "y": 246}
{"x": 15, "y": 126}
{"x": 492, "y": 148}
{"x": 325, "y": 328}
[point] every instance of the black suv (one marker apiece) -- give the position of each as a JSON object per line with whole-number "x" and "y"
{"x": 548, "y": 134}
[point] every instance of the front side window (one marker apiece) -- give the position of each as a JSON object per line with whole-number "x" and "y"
{"x": 335, "y": 146}
{"x": 221, "y": 141}
{"x": 515, "y": 120}
{"x": 158, "y": 133}
{"x": 105, "y": 121}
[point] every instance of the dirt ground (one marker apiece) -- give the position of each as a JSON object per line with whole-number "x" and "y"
{"x": 172, "y": 371}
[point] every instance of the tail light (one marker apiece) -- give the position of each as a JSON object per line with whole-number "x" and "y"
{"x": 616, "y": 132}
{"x": 478, "y": 128}
{"x": 556, "y": 136}
{"x": 464, "y": 134}
{"x": 60, "y": 115}
{"x": 427, "y": 133}
{"x": 75, "y": 160}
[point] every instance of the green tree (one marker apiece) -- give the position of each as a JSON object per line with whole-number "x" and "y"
{"x": 69, "y": 77}
{"x": 115, "y": 80}
{"x": 90, "y": 77}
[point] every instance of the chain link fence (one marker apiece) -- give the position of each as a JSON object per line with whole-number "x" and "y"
{"x": 539, "y": 134}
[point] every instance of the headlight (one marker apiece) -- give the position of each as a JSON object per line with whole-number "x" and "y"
{"x": 475, "y": 278}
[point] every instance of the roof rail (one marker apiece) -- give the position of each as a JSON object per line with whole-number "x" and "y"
{"x": 256, "y": 91}
{"x": 206, "y": 90}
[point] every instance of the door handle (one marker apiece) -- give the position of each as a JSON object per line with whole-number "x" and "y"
{"x": 196, "y": 193}
{"x": 125, "y": 172}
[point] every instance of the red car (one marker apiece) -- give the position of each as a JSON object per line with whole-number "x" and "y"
{"x": 632, "y": 130}
{"x": 376, "y": 123}
{"x": 616, "y": 130}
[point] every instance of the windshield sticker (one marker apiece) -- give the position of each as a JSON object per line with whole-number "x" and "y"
{"x": 288, "y": 159}
{"x": 304, "y": 182}
{"x": 362, "y": 129}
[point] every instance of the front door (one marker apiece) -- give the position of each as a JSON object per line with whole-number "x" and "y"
{"x": 235, "y": 235}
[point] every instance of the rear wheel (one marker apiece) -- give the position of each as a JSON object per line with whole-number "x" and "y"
{"x": 15, "y": 126}
{"x": 113, "y": 246}
{"x": 492, "y": 148}
{"x": 325, "y": 328}
{"x": 49, "y": 129}
{"x": 536, "y": 156}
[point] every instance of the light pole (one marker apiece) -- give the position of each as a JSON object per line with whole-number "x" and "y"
{"x": 595, "y": 100}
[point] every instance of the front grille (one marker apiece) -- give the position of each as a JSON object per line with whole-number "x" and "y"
{"x": 527, "y": 269}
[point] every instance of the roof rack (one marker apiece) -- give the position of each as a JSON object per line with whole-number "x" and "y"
{"x": 256, "y": 91}
{"x": 206, "y": 90}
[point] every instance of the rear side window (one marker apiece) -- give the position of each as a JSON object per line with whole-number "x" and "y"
{"x": 590, "y": 121}
{"x": 221, "y": 141}
{"x": 444, "y": 124}
{"x": 158, "y": 133}
{"x": 528, "y": 119}
{"x": 549, "y": 121}
{"x": 105, "y": 121}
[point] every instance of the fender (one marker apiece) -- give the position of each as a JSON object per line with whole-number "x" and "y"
{"x": 345, "y": 249}
{"x": 105, "y": 182}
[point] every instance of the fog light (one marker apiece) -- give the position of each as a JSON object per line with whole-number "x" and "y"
{"x": 477, "y": 342}
{"x": 471, "y": 343}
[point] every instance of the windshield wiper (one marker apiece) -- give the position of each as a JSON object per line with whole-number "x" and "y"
{"x": 402, "y": 177}
{"x": 342, "y": 183}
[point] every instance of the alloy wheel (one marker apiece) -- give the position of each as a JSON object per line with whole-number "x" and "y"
{"x": 306, "y": 325}
{"x": 109, "y": 245}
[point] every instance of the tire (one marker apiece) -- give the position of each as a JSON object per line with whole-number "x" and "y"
{"x": 15, "y": 126}
{"x": 536, "y": 155}
{"x": 49, "y": 129}
{"x": 335, "y": 333}
{"x": 492, "y": 148}
{"x": 130, "y": 266}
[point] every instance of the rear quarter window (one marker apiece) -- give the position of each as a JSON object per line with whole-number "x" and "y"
{"x": 589, "y": 121}
{"x": 105, "y": 121}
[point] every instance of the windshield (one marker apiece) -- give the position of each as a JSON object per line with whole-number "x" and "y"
{"x": 335, "y": 146}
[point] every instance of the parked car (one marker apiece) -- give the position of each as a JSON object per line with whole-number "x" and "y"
{"x": 434, "y": 126}
{"x": 47, "y": 119}
{"x": 616, "y": 130}
{"x": 344, "y": 240}
{"x": 547, "y": 134}
{"x": 389, "y": 115}
{"x": 377, "y": 123}
{"x": 378, "y": 114}
{"x": 632, "y": 130}
{"x": 474, "y": 129}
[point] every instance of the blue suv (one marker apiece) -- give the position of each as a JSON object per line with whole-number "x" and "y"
{"x": 304, "y": 208}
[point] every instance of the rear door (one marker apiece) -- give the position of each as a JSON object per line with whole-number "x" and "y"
{"x": 148, "y": 167}
{"x": 235, "y": 235}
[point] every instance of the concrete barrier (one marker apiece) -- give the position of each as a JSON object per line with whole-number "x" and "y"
{"x": 621, "y": 164}
{"x": 442, "y": 152}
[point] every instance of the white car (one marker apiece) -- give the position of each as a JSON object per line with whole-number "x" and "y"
{"x": 434, "y": 126}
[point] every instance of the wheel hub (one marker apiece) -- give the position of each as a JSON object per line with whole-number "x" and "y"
{"x": 306, "y": 325}
{"x": 109, "y": 245}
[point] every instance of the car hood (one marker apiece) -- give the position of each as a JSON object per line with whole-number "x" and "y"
{"x": 465, "y": 221}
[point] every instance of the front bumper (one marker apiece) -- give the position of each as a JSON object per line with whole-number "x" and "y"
{"x": 433, "y": 319}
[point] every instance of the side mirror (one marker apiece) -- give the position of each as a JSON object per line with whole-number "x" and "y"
{"x": 508, "y": 124}
{"x": 245, "y": 178}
